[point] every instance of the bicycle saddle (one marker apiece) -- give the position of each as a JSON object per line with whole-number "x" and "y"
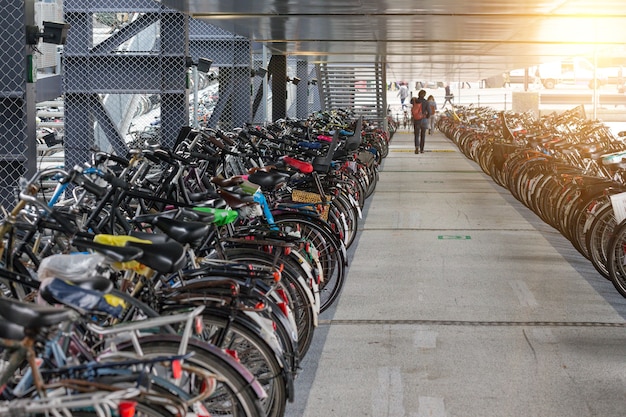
{"x": 111, "y": 252}
{"x": 215, "y": 215}
{"x": 11, "y": 331}
{"x": 163, "y": 257}
{"x": 302, "y": 166}
{"x": 58, "y": 291}
{"x": 32, "y": 316}
{"x": 235, "y": 200}
{"x": 182, "y": 231}
{"x": 152, "y": 237}
{"x": 152, "y": 217}
{"x": 268, "y": 180}
{"x": 227, "y": 182}
{"x": 202, "y": 196}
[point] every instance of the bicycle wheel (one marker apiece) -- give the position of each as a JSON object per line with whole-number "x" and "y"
{"x": 349, "y": 216}
{"x": 598, "y": 237}
{"x": 265, "y": 360}
{"x": 301, "y": 303}
{"x": 331, "y": 252}
{"x": 237, "y": 393}
{"x": 616, "y": 258}
{"x": 255, "y": 355}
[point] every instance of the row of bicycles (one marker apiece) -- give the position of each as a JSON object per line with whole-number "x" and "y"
{"x": 182, "y": 281}
{"x": 569, "y": 170}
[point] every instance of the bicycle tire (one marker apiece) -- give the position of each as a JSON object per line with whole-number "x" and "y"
{"x": 235, "y": 396}
{"x": 332, "y": 253}
{"x": 303, "y": 309}
{"x": 598, "y": 238}
{"x": 616, "y": 258}
{"x": 351, "y": 217}
{"x": 257, "y": 357}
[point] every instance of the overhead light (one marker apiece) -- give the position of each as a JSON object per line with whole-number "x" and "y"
{"x": 294, "y": 80}
{"x": 53, "y": 32}
{"x": 312, "y": 82}
{"x": 259, "y": 71}
{"x": 204, "y": 65}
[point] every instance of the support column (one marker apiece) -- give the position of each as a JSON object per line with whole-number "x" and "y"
{"x": 30, "y": 101}
{"x": 234, "y": 88}
{"x": 78, "y": 120}
{"x": 174, "y": 96}
{"x": 278, "y": 69}
{"x": 302, "y": 90}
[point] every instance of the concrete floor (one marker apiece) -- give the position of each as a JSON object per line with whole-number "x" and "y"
{"x": 459, "y": 301}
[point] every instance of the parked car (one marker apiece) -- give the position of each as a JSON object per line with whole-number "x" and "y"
{"x": 575, "y": 71}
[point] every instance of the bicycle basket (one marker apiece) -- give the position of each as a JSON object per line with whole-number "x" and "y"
{"x": 300, "y": 196}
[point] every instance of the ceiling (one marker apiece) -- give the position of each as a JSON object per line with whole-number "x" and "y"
{"x": 432, "y": 40}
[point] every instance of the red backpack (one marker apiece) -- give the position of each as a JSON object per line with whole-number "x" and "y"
{"x": 417, "y": 112}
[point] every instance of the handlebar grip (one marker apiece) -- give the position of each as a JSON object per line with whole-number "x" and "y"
{"x": 204, "y": 157}
{"x": 90, "y": 186}
{"x": 216, "y": 142}
{"x": 116, "y": 181}
{"x": 224, "y": 137}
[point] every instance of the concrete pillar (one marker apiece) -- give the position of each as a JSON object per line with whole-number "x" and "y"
{"x": 278, "y": 69}
{"x": 302, "y": 90}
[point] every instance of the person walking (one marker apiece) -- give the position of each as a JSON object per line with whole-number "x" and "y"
{"x": 449, "y": 96}
{"x": 403, "y": 93}
{"x": 506, "y": 79}
{"x": 420, "y": 111}
{"x": 432, "y": 110}
{"x": 537, "y": 82}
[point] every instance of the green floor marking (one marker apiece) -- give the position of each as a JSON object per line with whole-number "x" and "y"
{"x": 454, "y": 237}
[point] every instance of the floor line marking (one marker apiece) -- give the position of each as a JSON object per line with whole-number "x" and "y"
{"x": 523, "y": 294}
{"x": 425, "y": 339}
{"x": 387, "y": 396}
{"x": 430, "y": 407}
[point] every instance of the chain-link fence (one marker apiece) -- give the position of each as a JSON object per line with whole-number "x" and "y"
{"x": 12, "y": 97}
{"x": 132, "y": 70}
{"x": 140, "y": 75}
{"x": 124, "y": 77}
{"x": 224, "y": 93}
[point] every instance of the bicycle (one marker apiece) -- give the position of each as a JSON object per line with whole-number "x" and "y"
{"x": 406, "y": 118}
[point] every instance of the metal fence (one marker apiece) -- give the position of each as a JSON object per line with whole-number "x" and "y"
{"x": 134, "y": 70}
{"x": 131, "y": 70}
{"x": 13, "y": 94}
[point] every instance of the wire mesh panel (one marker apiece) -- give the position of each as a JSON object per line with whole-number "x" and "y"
{"x": 133, "y": 72}
{"x": 223, "y": 94}
{"x": 13, "y": 104}
{"x": 354, "y": 87}
{"x": 125, "y": 75}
